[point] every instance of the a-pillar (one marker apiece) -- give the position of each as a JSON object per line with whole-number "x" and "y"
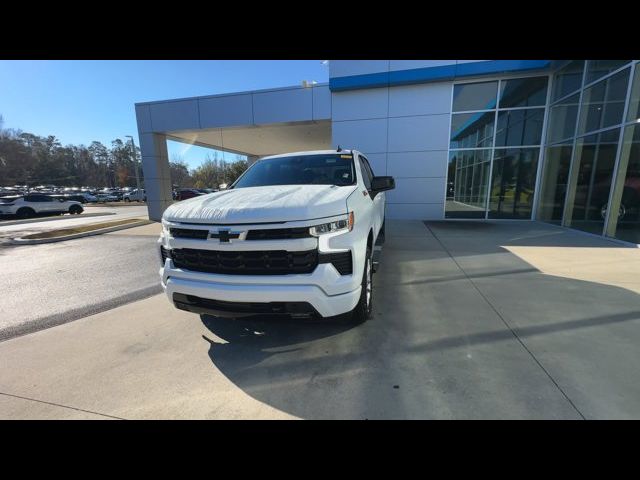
{"x": 251, "y": 159}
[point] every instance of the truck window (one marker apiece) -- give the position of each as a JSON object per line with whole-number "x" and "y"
{"x": 366, "y": 174}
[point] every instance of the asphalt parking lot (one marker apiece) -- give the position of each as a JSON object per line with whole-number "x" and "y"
{"x": 471, "y": 320}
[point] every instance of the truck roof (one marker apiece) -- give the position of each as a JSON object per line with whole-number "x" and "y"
{"x": 309, "y": 152}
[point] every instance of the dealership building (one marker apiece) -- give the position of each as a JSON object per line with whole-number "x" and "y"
{"x": 554, "y": 141}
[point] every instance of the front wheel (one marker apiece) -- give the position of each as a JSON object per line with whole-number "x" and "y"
{"x": 363, "y": 309}
{"x": 25, "y": 212}
{"x": 75, "y": 209}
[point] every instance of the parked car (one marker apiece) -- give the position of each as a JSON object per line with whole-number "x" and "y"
{"x": 115, "y": 193}
{"x": 295, "y": 234}
{"x": 77, "y": 197}
{"x": 135, "y": 195}
{"x": 185, "y": 193}
{"x": 105, "y": 197}
{"x": 37, "y": 203}
{"x": 88, "y": 198}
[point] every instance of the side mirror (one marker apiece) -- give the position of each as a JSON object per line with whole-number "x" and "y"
{"x": 380, "y": 184}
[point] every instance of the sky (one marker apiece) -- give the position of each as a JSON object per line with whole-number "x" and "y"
{"x": 80, "y": 101}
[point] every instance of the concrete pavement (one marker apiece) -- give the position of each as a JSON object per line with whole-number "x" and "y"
{"x": 463, "y": 328}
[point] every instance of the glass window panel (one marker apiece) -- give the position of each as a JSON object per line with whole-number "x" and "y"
{"x": 467, "y": 179}
{"x": 627, "y": 198}
{"x": 562, "y": 119}
{"x": 555, "y": 176}
{"x": 513, "y": 182}
{"x": 603, "y": 103}
{"x": 519, "y": 127}
{"x": 472, "y": 130}
{"x": 595, "y": 158}
{"x": 634, "y": 102}
{"x": 523, "y": 92}
{"x": 599, "y": 68}
{"x": 474, "y": 96}
{"x": 568, "y": 79}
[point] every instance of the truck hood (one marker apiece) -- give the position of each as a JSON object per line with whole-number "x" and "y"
{"x": 278, "y": 203}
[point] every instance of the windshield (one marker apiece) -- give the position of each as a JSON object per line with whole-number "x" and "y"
{"x": 9, "y": 199}
{"x": 320, "y": 169}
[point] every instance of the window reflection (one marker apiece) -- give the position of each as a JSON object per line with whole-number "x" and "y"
{"x": 513, "y": 182}
{"x": 595, "y": 158}
{"x": 523, "y": 92}
{"x": 634, "y": 101}
{"x": 568, "y": 79}
{"x": 474, "y": 96}
{"x": 627, "y": 197}
{"x": 555, "y": 177}
{"x": 472, "y": 130}
{"x": 562, "y": 119}
{"x": 599, "y": 68}
{"x": 467, "y": 179}
{"x": 519, "y": 127}
{"x": 603, "y": 103}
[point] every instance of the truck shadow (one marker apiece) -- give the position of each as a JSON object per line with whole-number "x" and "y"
{"x": 251, "y": 340}
{"x": 450, "y": 343}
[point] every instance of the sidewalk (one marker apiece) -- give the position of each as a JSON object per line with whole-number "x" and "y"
{"x": 142, "y": 360}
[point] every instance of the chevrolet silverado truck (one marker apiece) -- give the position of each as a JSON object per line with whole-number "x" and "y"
{"x": 294, "y": 234}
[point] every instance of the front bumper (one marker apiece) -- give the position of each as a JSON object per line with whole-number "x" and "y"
{"x": 327, "y": 291}
{"x": 325, "y": 305}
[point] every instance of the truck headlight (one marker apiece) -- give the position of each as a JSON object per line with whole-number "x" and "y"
{"x": 343, "y": 225}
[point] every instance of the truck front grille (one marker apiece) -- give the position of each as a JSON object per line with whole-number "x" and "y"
{"x": 189, "y": 233}
{"x": 278, "y": 233}
{"x": 268, "y": 262}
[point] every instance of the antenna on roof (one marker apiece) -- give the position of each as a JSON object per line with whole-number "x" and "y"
{"x": 339, "y": 149}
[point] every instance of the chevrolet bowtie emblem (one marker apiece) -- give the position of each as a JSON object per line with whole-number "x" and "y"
{"x": 225, "y": 235}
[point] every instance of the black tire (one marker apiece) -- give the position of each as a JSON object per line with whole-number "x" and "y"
{"x": 127, "y": 199}
{"x": 75, "y": 210}
{"x": 381, "y": 235}
{"x": 363, "y": 309}
{"x": 25, "y": 212}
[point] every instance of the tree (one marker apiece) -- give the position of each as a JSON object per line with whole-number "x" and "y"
{"x": 207, "y": 174}
{"x": 236, "y": 169}
{"x": 179, "y": 171}
{"x": 26, "y": 158}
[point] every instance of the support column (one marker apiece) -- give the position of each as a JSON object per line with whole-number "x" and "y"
{"x": 157, "y": 176}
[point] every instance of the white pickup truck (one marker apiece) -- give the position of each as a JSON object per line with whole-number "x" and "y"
{"x": 295, "y": 235}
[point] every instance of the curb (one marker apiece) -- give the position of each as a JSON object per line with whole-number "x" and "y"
{"x": 36, "y": 241}
{"x": 49, "y": 219}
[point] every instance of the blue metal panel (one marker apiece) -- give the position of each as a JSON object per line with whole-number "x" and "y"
{"x": 419, "y": 75}
{"x": 432, "y": 74}
{"x": 354, "y": 82}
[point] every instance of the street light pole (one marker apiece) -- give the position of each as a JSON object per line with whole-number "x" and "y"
{"x": 135, "y": 162}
